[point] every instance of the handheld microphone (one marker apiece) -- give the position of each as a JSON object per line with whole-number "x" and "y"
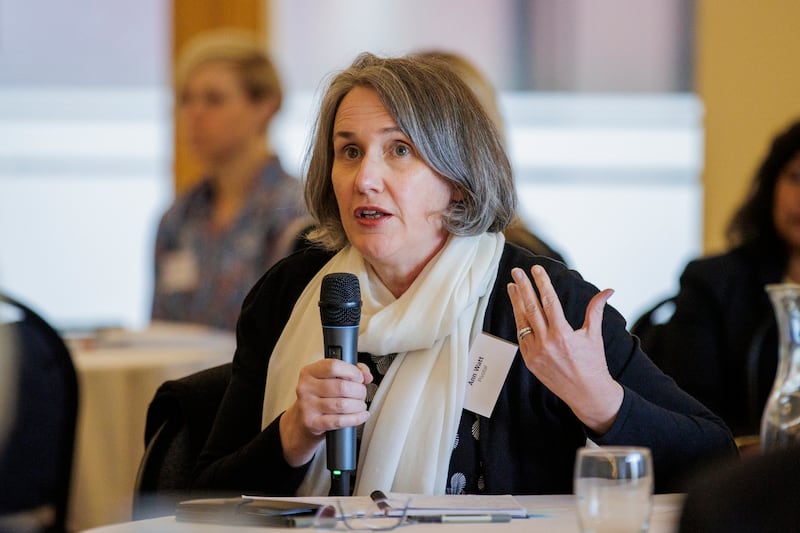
{"x": 340, "y": 313}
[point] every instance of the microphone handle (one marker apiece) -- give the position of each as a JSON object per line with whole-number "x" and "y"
{"x": 340, "y": 343}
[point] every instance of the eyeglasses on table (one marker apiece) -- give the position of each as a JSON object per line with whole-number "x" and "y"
{"x": 385, "y": 515}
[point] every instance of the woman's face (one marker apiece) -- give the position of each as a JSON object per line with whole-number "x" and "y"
{"x": 786, "y": 206}
{"x": 219, "y": 117}
{"x": 390, "y": 200}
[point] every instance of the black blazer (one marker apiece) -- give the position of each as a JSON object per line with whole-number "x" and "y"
{"x": 723, "y": 323}
{"x": 529, "y": 443}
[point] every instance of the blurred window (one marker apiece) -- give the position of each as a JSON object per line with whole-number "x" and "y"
{"x": 85, "y": 153}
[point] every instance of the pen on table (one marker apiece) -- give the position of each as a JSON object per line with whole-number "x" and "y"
{"x": 462, "y": 518}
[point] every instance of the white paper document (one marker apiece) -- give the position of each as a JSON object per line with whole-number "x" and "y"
{"x": 422, "y": 504}
{"x": 462, "y": 504}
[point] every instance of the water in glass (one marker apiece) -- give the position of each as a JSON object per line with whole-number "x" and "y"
{"x": 614, "y": 489}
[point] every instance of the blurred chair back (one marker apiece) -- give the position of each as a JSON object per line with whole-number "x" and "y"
{"x": 179, "y": 420}
{"x": 760, "y": 365}
{"x": 647, "y": 325}
{"x": 36, "y": 454}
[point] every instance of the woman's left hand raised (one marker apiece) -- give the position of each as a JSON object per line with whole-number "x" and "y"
{"x": 571, "y": 363}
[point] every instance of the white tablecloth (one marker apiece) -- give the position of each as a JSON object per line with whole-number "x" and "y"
{"x": 554, "y": 514}
{"x": 118, "y": 374}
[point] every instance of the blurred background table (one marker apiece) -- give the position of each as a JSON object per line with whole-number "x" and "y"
{"x": 118, "y": 373}
{"x": 551, "y": 514}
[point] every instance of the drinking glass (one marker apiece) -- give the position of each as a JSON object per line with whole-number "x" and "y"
{"x": 614, "y": 489}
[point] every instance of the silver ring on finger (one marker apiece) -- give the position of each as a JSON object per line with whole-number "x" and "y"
{"x": 523, "y": 332}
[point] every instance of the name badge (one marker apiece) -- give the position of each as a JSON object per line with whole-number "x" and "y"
{"x": 490, "y": 360}
{"x": 179, "y": 272}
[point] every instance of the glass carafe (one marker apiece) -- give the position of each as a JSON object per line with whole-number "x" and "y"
{"x": 780, "y": 424}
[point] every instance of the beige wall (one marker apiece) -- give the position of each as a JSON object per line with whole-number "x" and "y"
{"x": 190, "y": 18}
{"x": 748, "y": 76}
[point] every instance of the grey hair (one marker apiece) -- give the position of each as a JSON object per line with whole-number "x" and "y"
{"x": 450, "y": 130}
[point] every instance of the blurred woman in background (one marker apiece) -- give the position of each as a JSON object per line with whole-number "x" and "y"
{"x": 720, "y": 344}
{"x": 217, "y": 239}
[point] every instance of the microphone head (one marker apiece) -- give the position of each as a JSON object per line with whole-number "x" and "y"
{"x": 340, "y": 300}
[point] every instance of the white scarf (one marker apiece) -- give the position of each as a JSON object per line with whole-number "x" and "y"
{"x": 414, "y": 416}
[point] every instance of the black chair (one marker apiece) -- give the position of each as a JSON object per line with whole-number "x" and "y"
{"x": 179, "y": 420}
{"x": 760, "y": 364}
{"x": 36, "y": 455}
{"x": 646, "y": 326}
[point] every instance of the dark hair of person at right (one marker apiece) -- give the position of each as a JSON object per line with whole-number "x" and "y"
{"x": 752, "y": 222}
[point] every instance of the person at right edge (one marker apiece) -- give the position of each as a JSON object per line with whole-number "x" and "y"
{"x": 410, "y": 189}
{"x": 723, "y": 316}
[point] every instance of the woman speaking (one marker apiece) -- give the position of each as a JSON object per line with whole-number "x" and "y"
{"x": 411, "y": 190}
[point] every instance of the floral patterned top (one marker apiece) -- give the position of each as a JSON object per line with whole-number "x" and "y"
{"x": 202, "y": 275}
